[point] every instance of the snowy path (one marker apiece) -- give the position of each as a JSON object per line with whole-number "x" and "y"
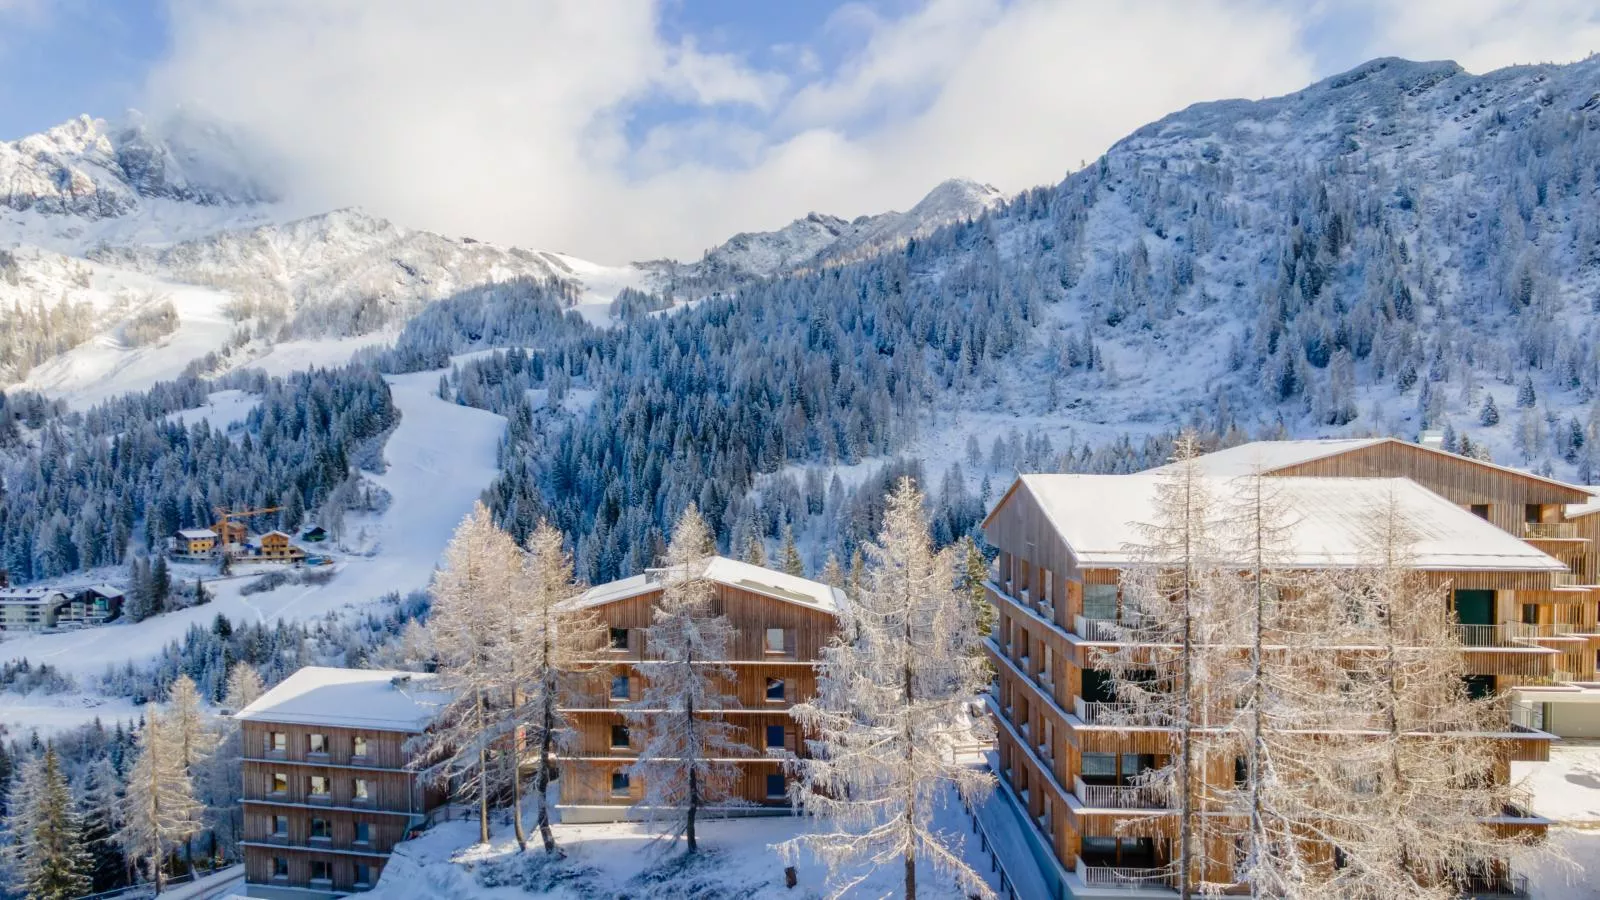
{"x": 441, "y": 457}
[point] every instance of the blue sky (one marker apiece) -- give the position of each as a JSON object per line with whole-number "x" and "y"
{"x": 628, "y": 128}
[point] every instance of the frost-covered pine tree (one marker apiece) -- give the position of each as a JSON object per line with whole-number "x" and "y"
{"x": 49, "y": 860}
{"x": 683, "y": 762}
{"x": 472, "y": 611}
{"x": 1406, "y": 783}
{"x": 244, "y": 687}
{"x": 1177, "y": 644}
{"x": 893, "y": 691}
{"x": 102, "y": 816}
{"x": 195, "y": 737}
{"x": 549, "y": 643}
{"x": 1489, "y": 416}
{"x": 791, "y": 561}
{"x": 159, "y": 809}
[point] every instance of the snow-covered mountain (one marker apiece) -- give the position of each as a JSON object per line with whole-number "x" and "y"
{"x": 818, "y": 239}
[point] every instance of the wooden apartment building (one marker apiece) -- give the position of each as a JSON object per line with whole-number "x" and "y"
{"x": 1064, "y": 543}
{"x": 327, "y": 793}
{"x": 781, "y": 624}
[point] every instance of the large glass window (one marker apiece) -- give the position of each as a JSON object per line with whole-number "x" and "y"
{"x": 776, "y": 640}
{"x": 321, "y": 830}
{"x": 280, "y": 783}
{"x": 775, "y": 690}
{"x": 1099, "y": 601}
{"x": 316, "y": 743}
{"x": 619, "y": 687}
{"x": 619, "y": 638}
{"x": 359, "y": 745}
{"x": 619, "y": 784}
{"x": 775, "y": 739}
{"x": 321, "y": 870}
{"x": 363, "y": 833}
{"x": 319, "y": 786}
{"x": 360, "y": 790}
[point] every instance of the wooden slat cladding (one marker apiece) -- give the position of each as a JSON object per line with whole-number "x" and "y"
{"x": 1457, "y": 478}
{"x": 342, "y": 815}
{"x": 756, "y": 663}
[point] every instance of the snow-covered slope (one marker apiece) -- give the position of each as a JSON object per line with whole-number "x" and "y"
{"x": 440, "y": 457}
{"x": 819, "y": 239}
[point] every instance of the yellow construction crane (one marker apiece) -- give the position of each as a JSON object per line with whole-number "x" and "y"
{"x": 225, "y": 526}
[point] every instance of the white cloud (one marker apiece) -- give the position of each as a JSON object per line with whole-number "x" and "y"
{"x": 1487, "y": 34}
{"x": 540, "y": 123}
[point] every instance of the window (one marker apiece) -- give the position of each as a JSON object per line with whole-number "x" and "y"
{"x": 318, "y": 787}
{"x": 777, "y": 789}
{"x": 1100, "y": 601}
{"x": 316, "y": 743}
{"x": 277, "y": 742}
{"x": 280, "y": 867}
{"x": 1532, "y": 512}
{"x": 619, "y": 687}
{"x": 774, "y": 690}
{"x": 321, "y": 870}
{"x": 363, "y": 875}
{"x": 619, "y": 638}
{"x": 321, "y": 830}
{"x": 1099, "y": 768}
{"x": 775, "y": 739}
{"x": 619, "y": 784}
{"x": 1481, "y": 510}
{"x": 280, "y": 783}
{"x": 360, "y": 791}
{"x": 363, "y": 833}
{"x": 280, "y": 826}
{"x": 359, "y": 745}
{"x": 777, "y": 640}
{"x": 619, "y": 736}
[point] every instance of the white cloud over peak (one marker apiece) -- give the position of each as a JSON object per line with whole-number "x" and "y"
{"x": 575, "y": 125}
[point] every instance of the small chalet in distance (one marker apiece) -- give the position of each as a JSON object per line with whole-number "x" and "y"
{"x": 327, "y": 791}
{"x": 781, "y": 624}
{"x": 194, "y": 543}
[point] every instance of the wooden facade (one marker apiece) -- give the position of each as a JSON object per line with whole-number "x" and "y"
{"x": 776, "y": 644}
{"x": 1069, "y": 772}
{"x": 323, "y": 806}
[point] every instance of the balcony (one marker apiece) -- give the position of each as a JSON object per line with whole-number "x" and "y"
{"x": 1131, "y": 877}
{"x": 1496, "y": 886}
{"x": 1118, "y": 796}
{"x": 1550, "y": 531}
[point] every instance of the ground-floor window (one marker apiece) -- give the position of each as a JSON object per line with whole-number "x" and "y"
{"x": 777, "y": 788}
{"x": 619, "y": 784}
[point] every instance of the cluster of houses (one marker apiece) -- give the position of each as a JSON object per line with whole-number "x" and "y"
{"x": 47, "y": 609}
{"x": 233, "y": 541}
{"x": 327, "y": 792}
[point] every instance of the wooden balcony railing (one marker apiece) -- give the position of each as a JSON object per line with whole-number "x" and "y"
{"x": 1124, "y": 876}
{"x": 1118, "y": 796}
{"x": 1549, "y": 530}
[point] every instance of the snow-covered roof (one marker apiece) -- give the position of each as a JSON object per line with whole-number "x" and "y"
{"x": 282, "y": 534}
{"x": 105, "y": 590}
{"x": 1271, "y": 456}
{"x": 730, "y": 572}
{"x": 30, "y": 595}
{"x": 380, "y": 699}
{"x": 1575, "y": 510}
{"x": 196, "y": 534}
{"x": 1329, "y": 521}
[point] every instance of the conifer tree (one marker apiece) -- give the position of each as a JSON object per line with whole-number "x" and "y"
{"x": 101, "y": 819}
{"x": 49, "y": 858}
{"x": 792, "y": 563}
{"x": 159, "y": 809}
{"x": 892, "y": 695}
{"x": 550, "y": 643}
{"x": 974, "y": 572}
{"x": 687, "y": 741}
{"x": 832, "y": 572}
{"x": 1526, "y": 397}
{"x": 1488, "y": 417}
{"x": 469, "y": 624}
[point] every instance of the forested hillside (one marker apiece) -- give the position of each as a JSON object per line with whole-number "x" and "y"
{"x": 1400, "y": 248}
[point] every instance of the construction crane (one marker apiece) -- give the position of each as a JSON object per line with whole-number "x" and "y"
{"x": 224, "y": 516}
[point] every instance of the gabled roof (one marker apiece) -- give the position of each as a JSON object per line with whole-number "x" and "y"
{"x": 31, "y": 596}
{"x": 196, "y": 534}
{"x": 731, "y": 572}
{"x": 1273, "y": 456}
{"x": 1577, "y": 510}
{"x": 105, "y": 590}
{"x": 1099, "y": 517}
{"x": 282, "y": 534}
{"x": 380, "y": 699}
{"x": 1270, "y": 456}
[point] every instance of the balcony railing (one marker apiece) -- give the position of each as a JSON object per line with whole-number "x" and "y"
{"x": 1549, "y": 530}
{"x": 1118, "y": 796}
{"x": 1527, "y": 715}
{"x": 1496, "y": 886}
{"x": 1131, "y": 877}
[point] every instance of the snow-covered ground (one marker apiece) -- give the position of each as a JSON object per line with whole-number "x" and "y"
{"x": 625, "y": 859}
{"x": 441, "y": 457}
{"x": 222, "y": 410}
{"x": 1566, "y": 790}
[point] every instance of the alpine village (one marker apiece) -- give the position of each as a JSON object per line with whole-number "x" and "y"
{"x": 1220, "y": 520}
